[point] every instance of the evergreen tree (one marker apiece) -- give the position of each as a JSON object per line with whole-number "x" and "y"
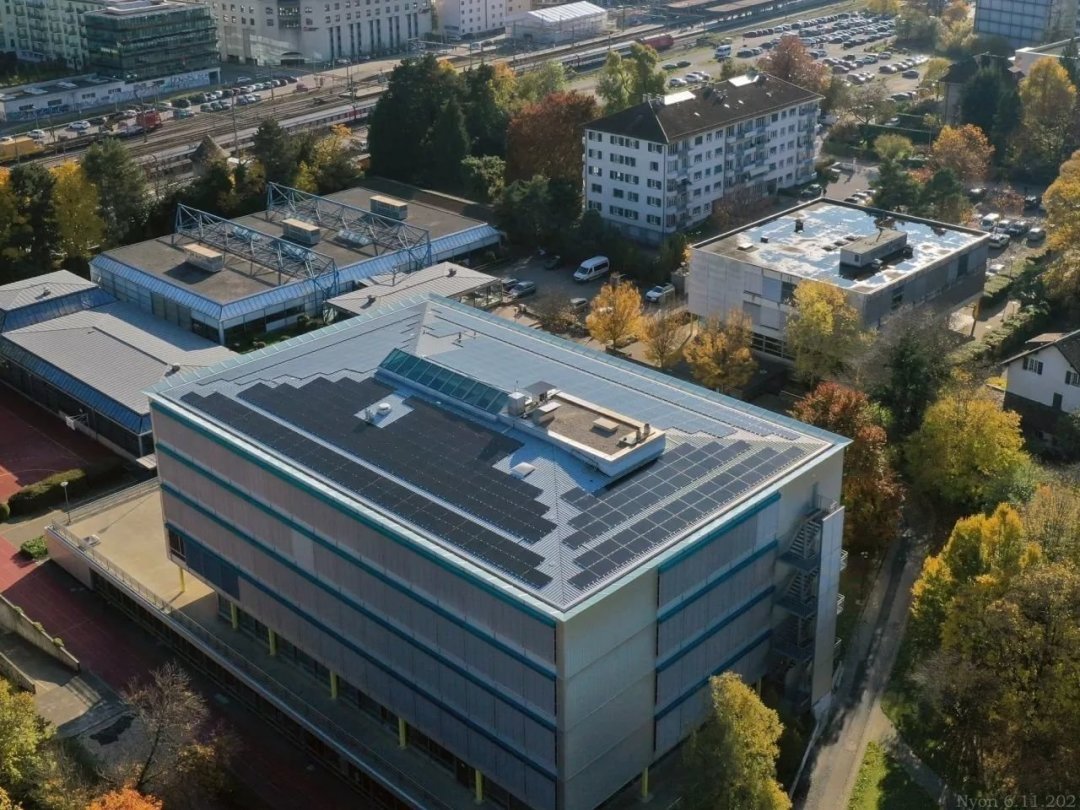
{"x": 448, "y": 145}
{"x": 122, "y": 190}
{"x": 36, "y": 230}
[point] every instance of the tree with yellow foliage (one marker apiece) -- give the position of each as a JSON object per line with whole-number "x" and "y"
{"x": 965, "y": 445}
{"x": 126, "y": 798}
{"x": 75, "y": 199}
{"x": 731, "y": 760}
{"x": 1048, "y": 98}
{"x": 965, "y": 150}
{"x": 615, "y": 315}
{"x": 332, "y": 166}
{"x": 719, "y": 355}
{"x": 1062, "y": 203}
{"x": 823, "y": 331}
{"x": 662, "y": 335}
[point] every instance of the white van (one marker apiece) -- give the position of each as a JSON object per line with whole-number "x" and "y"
{"x": 592, "y": 268}
{"x": 989, "y": 221}
{"x": 723, "y": 52}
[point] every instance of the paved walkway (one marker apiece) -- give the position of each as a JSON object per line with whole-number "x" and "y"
{"x": 858, "y": 719}
{"x": 918, "y": 770}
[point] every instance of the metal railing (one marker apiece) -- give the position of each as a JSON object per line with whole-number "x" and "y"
{"x": 99, "y": 505}
{"x": 288, "y": 701}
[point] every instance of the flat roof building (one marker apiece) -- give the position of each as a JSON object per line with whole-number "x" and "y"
{"x": 553, "y": 24}
{"x": 445, "y": 278}
{"x": 71, "y": 347}
{"x": 530, "y": 555}
{"x": 224, "y": 279}
{"x": 139, "y": 40}
{"x": 881, "y": 260}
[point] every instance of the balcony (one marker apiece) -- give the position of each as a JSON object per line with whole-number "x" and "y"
{"x": 792, "y": 642}
{"x": 839, "y": 604}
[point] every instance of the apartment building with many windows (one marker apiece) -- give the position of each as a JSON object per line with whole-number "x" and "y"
{"x": 525, "y": 557}
{"x": 658, "y": 167}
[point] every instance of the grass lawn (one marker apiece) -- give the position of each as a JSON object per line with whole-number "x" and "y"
{"x": 883, "y": 784}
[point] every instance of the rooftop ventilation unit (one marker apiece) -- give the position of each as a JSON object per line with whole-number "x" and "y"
{"x": 390, "y": 208}
{"x": 298, "y": 230}
{"x": 212, "y": 261}
{"x": 605, "y": 425}
{"x": 522, "y": 469}
{"x": 518, "y": 403}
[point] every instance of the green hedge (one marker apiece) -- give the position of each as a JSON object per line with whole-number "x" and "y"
{"x": 1007, "y": 339}
{"x": 997, "y": 287}
{"x": 48, "y": 492}
{"x": 5, "y": 512}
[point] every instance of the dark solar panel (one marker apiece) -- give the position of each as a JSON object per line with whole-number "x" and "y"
{"x": 412, "y": 507}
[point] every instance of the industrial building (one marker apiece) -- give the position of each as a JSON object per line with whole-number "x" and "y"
{"x": 69, "y": 346}
{"x": 42, "y": 101}
{"x": 446, "y": 279}
{"x": 140, "y": 40}
{"x": 524, "y": 558}
{"x": 658, "y": 167}
{"x": 232, "y": 279}
{"x": 551, "y": 25}
{"x": 881, "y": 260}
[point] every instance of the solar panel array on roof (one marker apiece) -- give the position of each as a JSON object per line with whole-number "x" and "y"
{"x": 368, "y": 407}
{"x": 325, "y": 409}
{"x": 444, "y": 381}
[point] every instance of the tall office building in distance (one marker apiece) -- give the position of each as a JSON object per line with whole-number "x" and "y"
{"x": 147, "y": 39}
{"x": 524, "y": 557}
{"x": 1026, "y": 22}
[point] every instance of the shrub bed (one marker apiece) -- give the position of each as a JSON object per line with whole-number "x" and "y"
{"x": 5, "y": 512}
{"x": 48, "y": 492}
{"x": 1009, "y": 338}
{"x": 35, "y": 549}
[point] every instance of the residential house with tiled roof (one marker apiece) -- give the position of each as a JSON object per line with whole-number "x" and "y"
{"x": 1043, "y": 382}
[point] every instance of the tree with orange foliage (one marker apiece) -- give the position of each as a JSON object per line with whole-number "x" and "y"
{"x": 965, "y": 149}
{"x": 872, "y": 492}
{"x": 125, "y": 798}
{"x": 791, "y": 61}
{"x": 545, "y": 138}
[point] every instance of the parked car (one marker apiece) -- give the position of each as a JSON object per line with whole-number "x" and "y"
{"x": 995, "y": 268}
{"x": 184, "y": 113}
{"x": 977, "y": 193}
{"x": 1032, "y": 201}
{"x": 37, "y": 134}
{"x": 671, "y": 66}
{"x": 79, "y": 126}
{"x": 683, "y": 63}
{"x": 999, "y": 240}
{"x": 522, "y": 289}
{"x": 677, "y": 82}
{"x": 1036, "y": 235}
{"x": 553, "y": 262}
{"x": 1018, "y": 228}
{"x": 811, "y": 191}
{"x": 660, "y": 293}
{"x": 596, "y": 267}
{"x": 508, "y": 284}
{"x": 579, "y": 306}
{"x": 181, "y": 103}
{"x": 910, "y": 74}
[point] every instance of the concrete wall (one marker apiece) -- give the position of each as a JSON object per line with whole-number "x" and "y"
{"x": 1041, "y": 388}
{"x": 11, "y": 671}
{"x": 606, "y": 657}
{"x": 71, "y": 561}
{"x": 14, "y": 621}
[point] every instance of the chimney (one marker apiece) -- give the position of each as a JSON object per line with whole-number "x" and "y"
{"x": 452, "y": 272}
{"x": 798, "y": 226}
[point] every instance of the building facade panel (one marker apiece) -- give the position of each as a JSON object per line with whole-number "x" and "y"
{"x": 479, "y": 610}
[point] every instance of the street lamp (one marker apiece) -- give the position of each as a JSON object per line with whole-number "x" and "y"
{"x": 67, "y": 503}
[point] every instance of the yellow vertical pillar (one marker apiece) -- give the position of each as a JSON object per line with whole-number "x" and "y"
{"x": 402, "y": 733}
{"x": 234, "y": 616}
{"x": 183, "y": 584}
{"x": 478, "y": 786}
{"x": 271, "y": 638}
{"x": 645, "y": 785}
{"x": 333, "y": 685}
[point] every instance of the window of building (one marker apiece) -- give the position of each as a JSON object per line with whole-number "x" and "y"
{"x": 897, "y": 298}
{"x": 1031, "y": 364}
{"x": 597, "y": 188}
{"x": 1072, "y": 378}
{"x": 176, "y": 545}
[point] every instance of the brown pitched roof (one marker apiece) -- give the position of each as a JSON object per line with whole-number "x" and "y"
{"x": 707, "y": 108}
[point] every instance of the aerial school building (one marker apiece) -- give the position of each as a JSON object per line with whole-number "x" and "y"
{"x": 525, "y": 556}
